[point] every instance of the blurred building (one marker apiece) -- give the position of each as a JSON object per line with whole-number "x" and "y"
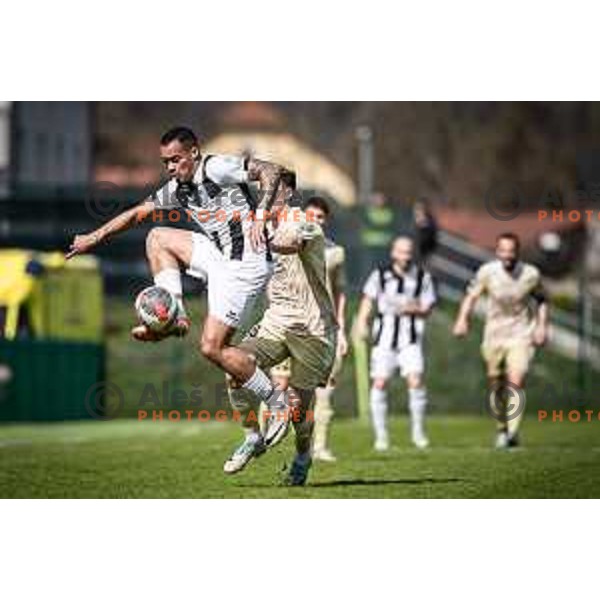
{"x": 45, "y": 145}
{"x": 259, "y": 129}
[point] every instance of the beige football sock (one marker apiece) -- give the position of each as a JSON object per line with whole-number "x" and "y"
{"x": 323, "y": 416}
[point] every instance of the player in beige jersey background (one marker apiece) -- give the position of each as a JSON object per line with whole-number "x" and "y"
{"x": 335, "y": 258}
{"x": 516, "y": 322}
{"x": 299, "y": 324}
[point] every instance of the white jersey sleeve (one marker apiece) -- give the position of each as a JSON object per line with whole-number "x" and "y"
{"x": 226, "y": 169}
{"x": 372, "y": 287}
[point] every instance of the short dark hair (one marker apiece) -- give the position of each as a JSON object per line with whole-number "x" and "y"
{"x": 509, "y": 235}
{"x": 320, "y": 203}
{"x": 183, "y": 135}
{"x": 288, "y": 178}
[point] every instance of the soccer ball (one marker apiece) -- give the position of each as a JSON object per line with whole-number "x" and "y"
{"x": 156, "y": 308}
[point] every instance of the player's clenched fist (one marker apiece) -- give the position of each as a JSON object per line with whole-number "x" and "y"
{"x": 257, "y": 236}
{"x": 460, "y": 329}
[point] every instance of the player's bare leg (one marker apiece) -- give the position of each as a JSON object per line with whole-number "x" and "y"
{"x": 417, "y": 404}
{"x": 166, "y": 250}
{"x": 497, "y": 409}
{"x": 275, "y": 422}
{"x": 215, "y": 345}
{"x": 513, "y": 421}
{"x": 303, "y": 422}
{"x": 502, "y": 401}
{"x": 379, "y": 408}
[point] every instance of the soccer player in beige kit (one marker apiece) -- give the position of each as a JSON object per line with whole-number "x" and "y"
{"x": 516, "y": 323}
{"x": 335, "y": 259}
{"x": 298, "y": 324}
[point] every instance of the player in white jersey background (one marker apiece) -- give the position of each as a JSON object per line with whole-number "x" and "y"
{"x": 402, "y": 295}
{"x": 227, "y": 247}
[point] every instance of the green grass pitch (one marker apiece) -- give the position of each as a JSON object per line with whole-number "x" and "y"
{"x": 125, "y": 458}
{"x": 130, "y": 459}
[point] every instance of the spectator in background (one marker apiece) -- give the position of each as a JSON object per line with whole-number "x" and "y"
{"x": 425, "y": 230}
{"x": 378, "y": 228}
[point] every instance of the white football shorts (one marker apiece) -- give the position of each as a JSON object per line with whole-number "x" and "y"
{"x": 409, "y": 360}
{"x": 235, "y": 287}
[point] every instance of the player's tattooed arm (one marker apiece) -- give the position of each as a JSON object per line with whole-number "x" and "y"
{"x": 268, "y": 175}
{"x": 85, "y": 242}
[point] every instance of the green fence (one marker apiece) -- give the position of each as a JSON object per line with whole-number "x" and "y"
{"x": 50, "y": 380}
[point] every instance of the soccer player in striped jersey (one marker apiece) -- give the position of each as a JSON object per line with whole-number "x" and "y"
{"x": 402, "y": 295}
{"x": 227, "y": 246}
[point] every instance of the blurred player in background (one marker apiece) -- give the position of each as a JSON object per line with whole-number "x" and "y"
{"x": 403, "y": 296}
{"x": 227, "y": 246}
{"x": 516, "y": 323}
{"x": 300, "y": 325}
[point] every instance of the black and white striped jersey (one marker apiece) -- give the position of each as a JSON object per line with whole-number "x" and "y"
{"x": 218, "y": 202}
{"x": 389, "y": 291}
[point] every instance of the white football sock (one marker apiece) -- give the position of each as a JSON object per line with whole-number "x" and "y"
{"x": 261, "y": 385}
{"x": 379, "y": 413}
{"x": 417, "y": 404}
{"x": 252, "y": 435}
{"x": 242, "y": 401}
{"x": 170, "y": 279}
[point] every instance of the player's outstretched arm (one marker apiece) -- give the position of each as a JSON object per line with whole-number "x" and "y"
{"x": 85, "y": 242}
{"x": 463, "y": 319}
{"x": 477, "y": 287}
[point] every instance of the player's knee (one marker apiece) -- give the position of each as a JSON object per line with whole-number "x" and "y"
{"x": 516, "y": 378}
{"x": 211, "y": 349}
{"x": 156, "y": 240}
{"x": 380, "y": 384}
{"x": 414, "y": 381}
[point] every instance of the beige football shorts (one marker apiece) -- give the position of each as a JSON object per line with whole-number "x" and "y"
{"x": 508, "y": 358}
{"x": 310, "y": 357}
